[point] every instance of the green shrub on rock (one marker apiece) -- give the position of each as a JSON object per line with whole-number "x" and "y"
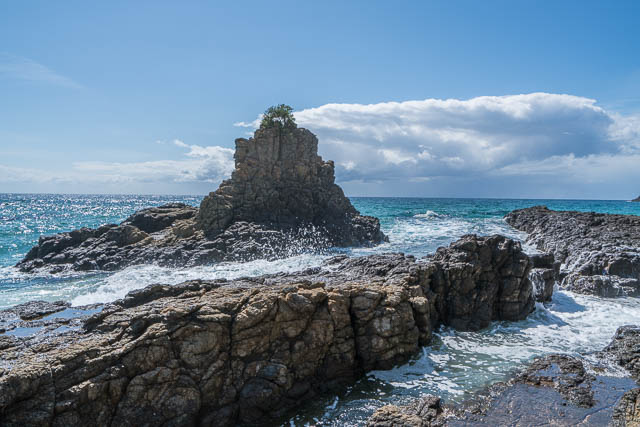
{"x": 280, "y": 116}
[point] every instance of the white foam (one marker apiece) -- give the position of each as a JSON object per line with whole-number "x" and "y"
{"x": 429, "y": 215}
{"x": 464, "y": 361}
{"x": 122, "y": 282}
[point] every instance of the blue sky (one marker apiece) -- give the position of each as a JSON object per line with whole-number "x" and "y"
{"x": 409, "y": 98}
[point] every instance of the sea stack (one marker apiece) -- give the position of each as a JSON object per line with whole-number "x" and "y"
{"x": 280, "y": 181}
{"x": 281, "y": 200}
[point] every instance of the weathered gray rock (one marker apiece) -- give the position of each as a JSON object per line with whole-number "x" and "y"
{"x": 281, "y": 200}
{"x": 217, "y": 353}
{"x": 637, "y": 199}
{"x": 33, "y": 310}
{"x": 600, "y": 253}
{"x": 627, "y": 411}
{"x": 424, "y": 412}
{"x": 544, "y": 275}
{"x": 625, "y": 349}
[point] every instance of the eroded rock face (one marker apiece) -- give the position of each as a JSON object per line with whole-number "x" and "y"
{"x": 217, "y": 353}
{"x": 544, "y": 275}
{"x": 281, "y": 200}
{"x": 280, "y": 180}
{"x": 600, "y": 253}
{"x": 625, "y": 349}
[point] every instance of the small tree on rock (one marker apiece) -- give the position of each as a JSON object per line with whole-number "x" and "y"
{"x": 279, "y": 116}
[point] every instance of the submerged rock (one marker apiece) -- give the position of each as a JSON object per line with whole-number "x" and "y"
{"x": 218, "y": 353}
{"x": 281, "y": 200}
{"x": 552, "y": 390}
{"x": 600, "y": 253}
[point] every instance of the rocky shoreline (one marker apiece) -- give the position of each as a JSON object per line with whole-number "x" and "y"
{"x": 600, "y": 253}
{"x": 281, "y": 200}
{"x": 556, "y": 389}
{"x": 246, "y": 350}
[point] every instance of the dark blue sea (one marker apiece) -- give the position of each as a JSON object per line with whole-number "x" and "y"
{"x": 457, "y": 364}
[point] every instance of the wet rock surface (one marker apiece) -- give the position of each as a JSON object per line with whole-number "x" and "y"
{"x": 281, "y": 200}
{"x": 424, "y": 412}
{"x": 552, "y": 390}
{"x": 625, "y": 349}
{"x": 223, "y": 352}
{"x": 544, "y": 275}
{"x": 600, "y": 253}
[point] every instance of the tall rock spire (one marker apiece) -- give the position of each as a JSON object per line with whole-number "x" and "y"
{"x": 280, "y": 180}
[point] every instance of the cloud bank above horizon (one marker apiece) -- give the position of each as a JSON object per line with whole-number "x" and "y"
{"x": 532, "y": 145}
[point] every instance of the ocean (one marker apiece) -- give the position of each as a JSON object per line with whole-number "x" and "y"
{"x": 453, "y": 367}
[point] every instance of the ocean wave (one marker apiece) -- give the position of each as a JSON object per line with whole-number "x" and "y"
{"x": 429, "y": 215}
{"x": 118, "y": 284}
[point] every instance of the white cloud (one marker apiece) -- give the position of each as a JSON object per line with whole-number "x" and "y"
{"x": 532, "y": 145}
{"x": 205, "y": 164}
{"x": 201, "y": 165}
{"x": 432, "y": 141}
{"x": 16, "y": 67}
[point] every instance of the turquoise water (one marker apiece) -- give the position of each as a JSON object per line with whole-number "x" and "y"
{"x": 455, "y": 365}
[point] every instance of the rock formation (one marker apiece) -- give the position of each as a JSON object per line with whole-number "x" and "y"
{"x": 600, "y": 253}
{"x": 281, "y": 200}
{"x": 637, "y": 199}
{"x": 556, "y": 389}
{"x": 218, "y": 353}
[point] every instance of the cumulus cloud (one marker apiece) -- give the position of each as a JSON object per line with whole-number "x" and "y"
{"x": 205, "y": 164}
{"x": 533, "y": 145}
{"x": 481, "y": 138}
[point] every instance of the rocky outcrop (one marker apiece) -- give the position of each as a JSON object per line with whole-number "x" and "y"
{"x": 625, "y": 349}
{"x": 217, "y": 353}
{"x": 544, "y": 275}
{"x": 637, "y": 199}
{"x": 280, "y": 180}
{"x": 600, "y": 253}
{"x": 556, "y": 389}
{"x": 281, "y": 200}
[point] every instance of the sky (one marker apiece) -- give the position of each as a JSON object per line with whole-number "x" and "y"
{"x": 515, "y": 99}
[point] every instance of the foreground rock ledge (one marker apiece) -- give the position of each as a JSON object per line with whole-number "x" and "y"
{"x": 281, "y": 200}
{"x": 218, "y": 353}
{"x": 556, "y": 390}
{"x": 600, "y": 253}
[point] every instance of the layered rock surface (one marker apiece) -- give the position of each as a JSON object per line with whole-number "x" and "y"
{"x": 552, "y": 390}
{"x": 281, "y": 200}
{"x": 217, "y": 353}
{"x": 600, "y": 253}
